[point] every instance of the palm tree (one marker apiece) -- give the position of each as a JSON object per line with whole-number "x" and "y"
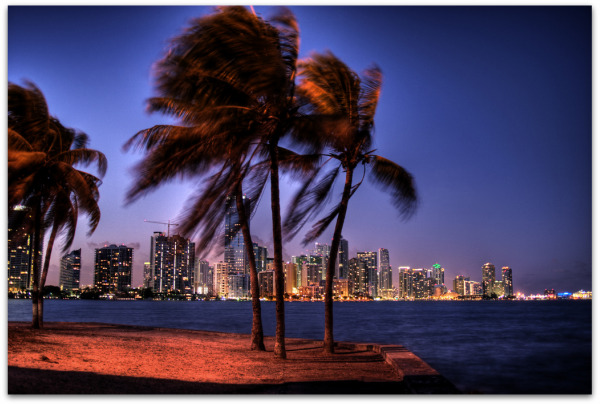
{"x": 331, "y": 89}
{"x": 230, "y": 79}
{"x": 42, "y": 155}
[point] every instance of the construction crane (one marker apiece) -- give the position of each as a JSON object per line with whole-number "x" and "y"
{"x": 168, "y": 223}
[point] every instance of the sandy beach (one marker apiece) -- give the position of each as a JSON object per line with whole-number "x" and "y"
{"x": 93, "y": 358}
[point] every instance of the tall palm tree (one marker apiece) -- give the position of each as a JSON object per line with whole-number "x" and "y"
{"x": 230, "y": 76}
{"x": 331, "y": 89}
{"x": 42, "y": 155}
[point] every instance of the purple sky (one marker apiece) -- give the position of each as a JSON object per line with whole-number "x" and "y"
{"x": 488, "y": 107}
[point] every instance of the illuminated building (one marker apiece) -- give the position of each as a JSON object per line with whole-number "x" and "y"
{"x": 235, "y": 251}
{"x": 437, "y": 273}
{"x": 357, "y": 275}
{"x": 459, "y": 284}
{"x": 342, "y": 268}
{"x": 299, "y": 260}
{"x": 238, "y": 285}
{"x": 550, "y": 293}
{"x": 371, "y": 281}
{"x": 385, "y": 274}
{"x": 266, "y": 284}
{"x": 112, "y": 268}
{"x": 582, "y": 295}
{"x": 419, "y": 284}
{"x": 260, "y": 256}
{"x": 488, "y": 278}
{"x": 20, "y": 251}
{"x": 404, "y": 283}
{"x": 70, "y": 269}
{"x": 289, "y": 270}
{"x": 203, "y": 278}
{"x": 172, "y": 260}
{"x": 220, "y": 279}
{"x": 507, "y": 281}
{"x": 341, "y": 287}
{"x": 148, "y": 281}
{"x": 498, "y": 288}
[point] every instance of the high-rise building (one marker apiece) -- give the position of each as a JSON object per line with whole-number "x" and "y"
{"x": 203, "y": 278}
{"x": 260, "y": 255}
{"x": 459, "y": 284}
{"x": 239, "y": 285}
{"x": 342, "y": 267}
{"x": 20, "y": 251}
{"x": 405, "y": 283}
{"x": 357, "y": 275}
{"x": 370, "y": 260}
{"x": 385, "y": 274}
{"x": 112, "y": 268}
{"x": 221, "y": 281}
{"x": 488, "y": 277}
{"x": 437, "y": 273}
{"x": 266, "y": 283}
{"x": 323, "y": 251}
{"x": 507, "y": 281}
{"x": 235, "y": 251}
{"x": 289, "y": 271}
{"x": 172, "y": 263}
{"x": 420, "y": 285}
{"x": 70, "y": 269}
{"x": 148, "y": 282}
{"x": 299, "y": 261}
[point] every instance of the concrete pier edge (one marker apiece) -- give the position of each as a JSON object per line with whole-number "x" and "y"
{"x": 419, "y": 377}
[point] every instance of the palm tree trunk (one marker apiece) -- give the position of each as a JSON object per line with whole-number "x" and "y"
{"x": 35, "y": 293}
{"x": 45, "y": 274}
{"x": 335, "y": 244}
{"x": 256, "y": 338}
{"x": 279, "y": 348}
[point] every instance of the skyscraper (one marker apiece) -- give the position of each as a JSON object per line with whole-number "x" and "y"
{"x": 507, "y": 282}
{"x": 357, "y": 275}
{"x": 437, "y": 273}
{"x": 220, "y": 279}
{"x": 112, "y": 268}
{"x": 260, "y": 255}
{"x": 323, "y": 251}
{"x": 148, "y": 281}
{"x": 235, "y": 251}
{"x": 385, "y": 274}
{"x": 70, "y": 269}
{"x": 370, "y": 260}
{"x": 20, "y": 252}
{"x": 405, "y": 283}
{"x": 203, "y": 278}
{"x": 459, "y": 284}
{"x": 342, "y": 267}
{"x": 171, "y": 263}
{"x": 488, "y": 277}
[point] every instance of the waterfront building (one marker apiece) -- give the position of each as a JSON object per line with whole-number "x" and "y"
{"x": 260, "y": 255}
{"x": 437, "y": 273}
{"x": 266, "y": 284}
{"x": 507, "y": 281}
{"x": 371, "y": 281}
{"x": 384, "y": 272}
{"x": 172, "y": 261}
{"x": 473, "y": 288}
{"x": 220, "y": 279}
{"x": 341, "y": 287}
{"x": 203, "y": 278}
{"x": 342, "y": 266}
{"x": 299, "y": 261}
{"x": 357, "y": 275}
{"x": 458, "y": 284}
{"x": 235, "y": 255}
{"x": 112, "y": 268}
{"x": 289, "y": 271}
{"x": 488, "y": 277}
{"x": 420, "y": 287}
{"x": 148, "y": 282}
{"x": 550, "y": 293}
{"x": 404, "y": 283}
{"x": 312, "y": 271}
{"x": 20, "y": 251}
{"x": 70, "y": 270}
{"x": 238, "y": 285}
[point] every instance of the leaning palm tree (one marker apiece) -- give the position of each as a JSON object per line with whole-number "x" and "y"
{"x": 230, "y": 76}
{"x": 331, "y": 89}
{"x": 42, "y": 155}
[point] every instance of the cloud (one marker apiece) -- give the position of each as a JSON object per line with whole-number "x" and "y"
{"x": 93, "y": 244}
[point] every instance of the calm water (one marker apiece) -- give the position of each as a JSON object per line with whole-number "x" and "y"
{"x": 520, "y": 347}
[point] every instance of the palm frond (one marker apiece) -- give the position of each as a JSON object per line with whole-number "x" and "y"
{"x": 369, "y": 97}
{"x": 397, "y": 181}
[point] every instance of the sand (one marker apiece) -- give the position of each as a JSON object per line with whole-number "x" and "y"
{"x": 93, "y": 358}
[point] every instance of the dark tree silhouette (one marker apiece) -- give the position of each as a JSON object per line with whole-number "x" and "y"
{"x": 229, "y": 80}
{"x": 332, "y": 90}
{"x": 42, "y": 155}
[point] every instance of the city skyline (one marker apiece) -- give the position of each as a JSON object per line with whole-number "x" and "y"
{"x": 493, "y": 122}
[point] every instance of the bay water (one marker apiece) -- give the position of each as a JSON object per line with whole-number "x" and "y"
{"x": 497, "y": 347}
